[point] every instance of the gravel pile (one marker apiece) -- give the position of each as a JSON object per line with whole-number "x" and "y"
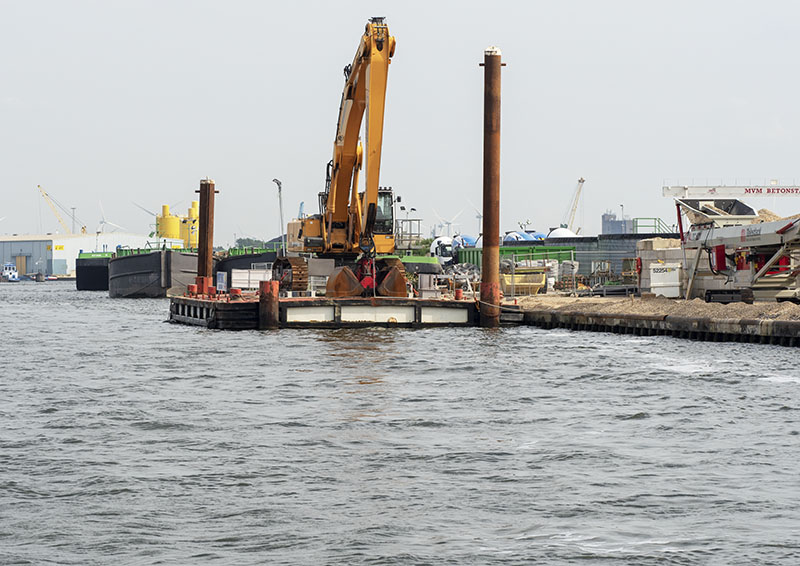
{"x": 696, "y": 308}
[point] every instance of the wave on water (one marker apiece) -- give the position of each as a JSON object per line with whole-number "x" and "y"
{"x": 129, "y": 438}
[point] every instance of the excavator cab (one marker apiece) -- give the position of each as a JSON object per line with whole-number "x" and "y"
{"x": 383, "y": 230}
{"x": 384, "y": 219}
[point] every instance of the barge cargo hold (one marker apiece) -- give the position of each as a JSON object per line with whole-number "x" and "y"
{"x": 153, "y": 274}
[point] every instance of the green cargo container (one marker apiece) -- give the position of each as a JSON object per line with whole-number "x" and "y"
{"x": 560, "y": 253}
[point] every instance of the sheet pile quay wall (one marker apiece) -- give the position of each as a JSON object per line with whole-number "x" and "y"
{"x": 781, "y": 332}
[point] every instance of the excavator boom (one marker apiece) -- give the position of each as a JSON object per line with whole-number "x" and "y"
{"x": 353, "y": 222}
{"x": 348, "y": 218}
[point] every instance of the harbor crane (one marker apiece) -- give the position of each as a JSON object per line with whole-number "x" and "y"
{"x": 52, "y": 203}
{"x": 576, "y": 197}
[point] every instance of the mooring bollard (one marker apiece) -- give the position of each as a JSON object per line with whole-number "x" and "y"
{"x": 268, "y": 302}
{"x": 200, "y": 283}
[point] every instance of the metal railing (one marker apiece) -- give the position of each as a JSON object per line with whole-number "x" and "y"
{"x": 652, "y": 226}
{"x": 273, "y": 247}
{"x": 408, "y": 233}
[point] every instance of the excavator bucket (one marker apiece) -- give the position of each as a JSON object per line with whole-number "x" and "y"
{"x": 393, "y": 283}
{"x": 342, "y": 282}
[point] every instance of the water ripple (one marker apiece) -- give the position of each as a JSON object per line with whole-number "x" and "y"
{"x": 159, "y": 444}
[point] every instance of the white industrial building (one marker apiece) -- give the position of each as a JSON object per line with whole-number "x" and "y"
{"x": 55, "y": 254}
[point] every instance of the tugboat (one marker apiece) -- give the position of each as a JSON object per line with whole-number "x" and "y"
{"x": 10, "y": 273}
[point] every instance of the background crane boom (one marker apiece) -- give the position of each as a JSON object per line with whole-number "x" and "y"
{"x": 576, "y": 197}
{"x": 52, "y": 205}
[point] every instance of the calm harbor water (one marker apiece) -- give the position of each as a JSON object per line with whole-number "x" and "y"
{"x": 127, "y": 440}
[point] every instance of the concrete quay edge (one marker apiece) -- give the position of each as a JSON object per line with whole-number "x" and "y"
{"x": 783, "y": 332}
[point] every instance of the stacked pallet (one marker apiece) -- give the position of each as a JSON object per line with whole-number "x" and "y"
{"x": 654, "y": 251}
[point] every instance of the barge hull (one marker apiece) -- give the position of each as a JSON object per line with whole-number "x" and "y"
{"x": 91, "y": 274}
{"x": 152, "y": 275}
{"x": 326, "y": 313}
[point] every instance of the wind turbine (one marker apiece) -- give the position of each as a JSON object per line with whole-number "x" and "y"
{"x": 478, "y": 217}
{"x": 151, "y": 213}
{"x": 104, "y": 222}
{"x": 449, "y": 223}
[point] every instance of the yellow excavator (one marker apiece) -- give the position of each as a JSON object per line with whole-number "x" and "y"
{"x": 353, "y": 227}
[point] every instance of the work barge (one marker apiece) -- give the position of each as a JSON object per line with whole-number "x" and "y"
{"x": 251, "y": 312}
{"x": 276, "y": 307}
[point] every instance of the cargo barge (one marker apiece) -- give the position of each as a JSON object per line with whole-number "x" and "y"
{"x": 91, "y": 271}
{"x": 150, "y": 273}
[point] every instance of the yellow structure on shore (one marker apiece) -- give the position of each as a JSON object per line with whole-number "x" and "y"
{"x": 175, "y": 227}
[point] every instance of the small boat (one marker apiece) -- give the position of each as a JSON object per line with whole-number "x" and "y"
{"x": 10, "y": 273}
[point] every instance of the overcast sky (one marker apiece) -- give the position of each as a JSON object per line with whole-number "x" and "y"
{"x": 122, "y": 102}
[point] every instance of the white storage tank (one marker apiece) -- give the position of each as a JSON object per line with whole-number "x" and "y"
{"x": 666, "y": 279}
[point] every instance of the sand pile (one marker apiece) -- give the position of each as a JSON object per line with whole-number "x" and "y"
{"x": 662, "y": 307}
{"x": 765, "y": 215}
